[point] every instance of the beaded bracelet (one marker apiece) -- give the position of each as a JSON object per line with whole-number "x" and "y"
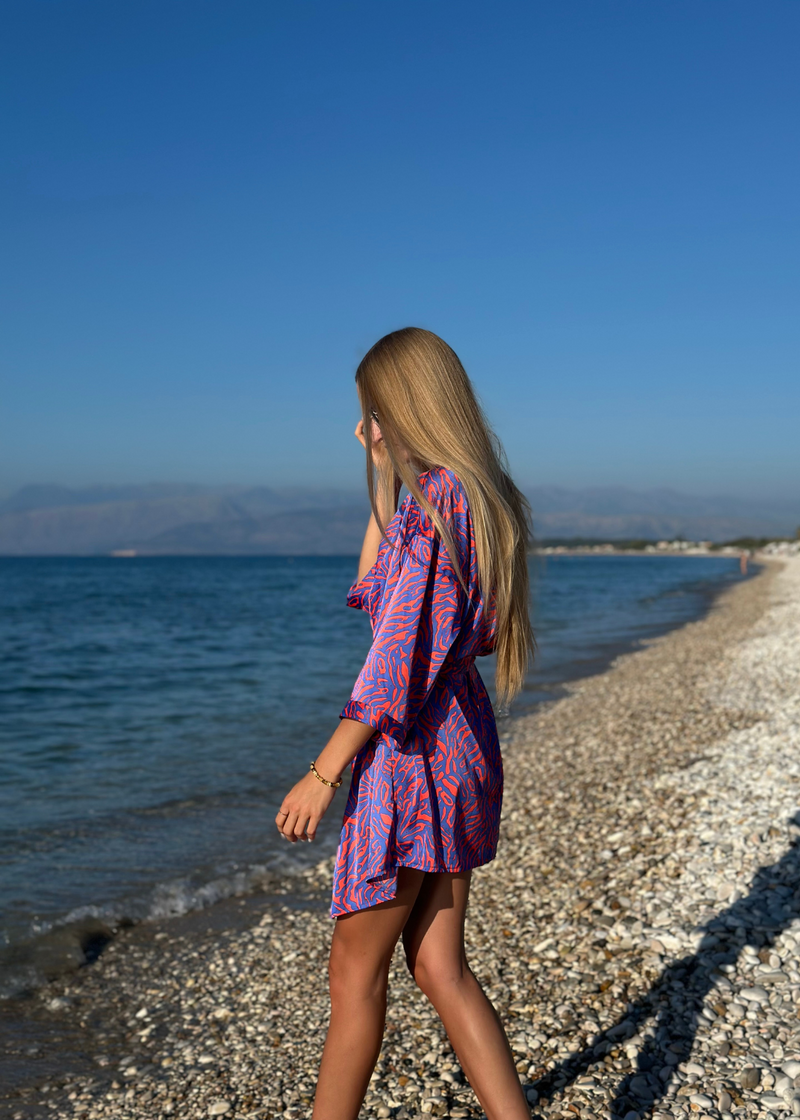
{"x": 319, "y": 777}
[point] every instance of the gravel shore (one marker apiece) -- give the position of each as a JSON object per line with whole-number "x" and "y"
{"x": 639, "y": 931}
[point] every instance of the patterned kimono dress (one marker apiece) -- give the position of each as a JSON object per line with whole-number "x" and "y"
{"x": 426, "y": 789}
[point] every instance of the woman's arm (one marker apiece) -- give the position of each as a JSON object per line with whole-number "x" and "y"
{"x": 305, "y": 804}
{"x": 388, "y": 492}
{"x": 369, "y": 549}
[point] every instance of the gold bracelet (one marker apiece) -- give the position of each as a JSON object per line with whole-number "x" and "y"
{"x": 319, "y": 777}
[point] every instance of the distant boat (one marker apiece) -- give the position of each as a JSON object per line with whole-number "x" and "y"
{"x": 124, "y": 552}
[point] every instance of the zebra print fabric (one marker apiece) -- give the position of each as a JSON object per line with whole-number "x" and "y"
{"x": 426, "y": 790}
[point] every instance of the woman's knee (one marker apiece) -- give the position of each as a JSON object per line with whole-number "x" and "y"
{"x": 436, "y": 972}
{"x": 351, "y": 975}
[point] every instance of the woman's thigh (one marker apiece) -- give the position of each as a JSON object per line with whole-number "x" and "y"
{"x": 433, "y": 936}
{"x": 363, "y": 942}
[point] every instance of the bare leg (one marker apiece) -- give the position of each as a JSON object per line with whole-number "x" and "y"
{"x": 361, "y": 952}
{"x": 434, "y": 942}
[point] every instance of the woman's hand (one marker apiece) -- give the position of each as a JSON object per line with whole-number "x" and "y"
{"x": 303, "y": 808}
{"x": 379, "y": 453}
{"x": 390, "y": 482}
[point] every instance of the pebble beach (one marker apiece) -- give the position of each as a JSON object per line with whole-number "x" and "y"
{"x": 639, "y": 931}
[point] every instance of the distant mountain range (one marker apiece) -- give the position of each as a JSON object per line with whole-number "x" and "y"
{"x": 225, "y": 520}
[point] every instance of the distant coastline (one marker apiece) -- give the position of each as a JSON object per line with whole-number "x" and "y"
{"x": 754, "y": 548}
{"x": 184, "y": 520}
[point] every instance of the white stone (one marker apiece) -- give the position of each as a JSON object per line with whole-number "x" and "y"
{"x": 754, "y": 995}
{"x": 769, "y": 1100}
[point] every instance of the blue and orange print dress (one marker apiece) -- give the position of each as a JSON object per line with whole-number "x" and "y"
{"x": 426, "y": 789}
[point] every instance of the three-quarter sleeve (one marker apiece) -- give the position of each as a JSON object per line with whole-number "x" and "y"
{"x": 417, "y": 627}
{"x": 365, "y": 594}
{"x": 361, "y": 592}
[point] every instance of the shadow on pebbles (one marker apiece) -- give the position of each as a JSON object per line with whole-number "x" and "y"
{"x": 639, "y": 931}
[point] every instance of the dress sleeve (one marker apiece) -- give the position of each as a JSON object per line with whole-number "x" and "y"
{"x": 365, "y": 594}
{"x": 416, "y": 631}
{"x": 359, "y": 594}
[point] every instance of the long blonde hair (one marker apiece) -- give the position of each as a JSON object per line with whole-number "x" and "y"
{"x": 429, "y": 417}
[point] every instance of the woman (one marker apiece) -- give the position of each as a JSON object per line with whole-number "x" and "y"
{"x": 444, "y": 579}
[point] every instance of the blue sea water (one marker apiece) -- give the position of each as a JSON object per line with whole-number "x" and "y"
{"x": 153, "y": 711}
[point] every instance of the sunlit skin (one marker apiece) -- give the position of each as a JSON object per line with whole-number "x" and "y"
{"x": 428, "y": 912}
{"x": 306, "y": 803}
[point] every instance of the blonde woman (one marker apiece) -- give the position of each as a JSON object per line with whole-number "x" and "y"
{"x": 444, "y": 579}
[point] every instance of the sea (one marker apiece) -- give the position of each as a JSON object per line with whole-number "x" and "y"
{"x": 154, "y": 712}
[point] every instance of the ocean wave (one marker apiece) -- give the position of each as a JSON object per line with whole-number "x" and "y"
{"x": 51, "y": 948}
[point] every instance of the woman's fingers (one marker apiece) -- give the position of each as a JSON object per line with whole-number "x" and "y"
{"x": 289, "y": 827}
{"x": 298, "y": 825}
{"x": 377, "y": 436}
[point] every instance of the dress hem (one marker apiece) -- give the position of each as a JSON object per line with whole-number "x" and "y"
{"x": 392, "y": 875}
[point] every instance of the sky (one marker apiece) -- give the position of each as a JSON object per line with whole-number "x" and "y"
{"x": 210, "y": 211}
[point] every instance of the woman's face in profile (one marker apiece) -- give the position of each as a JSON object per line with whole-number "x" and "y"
{"x": 377, "y": 437}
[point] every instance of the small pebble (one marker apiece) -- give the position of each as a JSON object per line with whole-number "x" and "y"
{"x": 749, "y": 1078}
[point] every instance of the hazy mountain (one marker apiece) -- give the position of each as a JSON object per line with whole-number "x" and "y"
{"x": 166, "y": 519}
{"x": 186, "y": 519}
{"x": 616, "y": 513}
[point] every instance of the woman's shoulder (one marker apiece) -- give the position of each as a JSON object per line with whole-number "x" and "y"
{"x": 444, "y": 490}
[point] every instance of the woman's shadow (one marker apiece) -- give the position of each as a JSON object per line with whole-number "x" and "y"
{"x": 675, "y": 1001}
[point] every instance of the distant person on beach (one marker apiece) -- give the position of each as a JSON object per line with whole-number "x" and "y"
{"x": 444, "y": 579}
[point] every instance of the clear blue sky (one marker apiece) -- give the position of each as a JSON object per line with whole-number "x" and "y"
{"x": 211, "y": 210}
